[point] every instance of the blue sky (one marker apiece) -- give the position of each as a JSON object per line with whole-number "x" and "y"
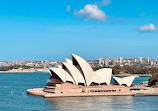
{"x": 54, "y": 29}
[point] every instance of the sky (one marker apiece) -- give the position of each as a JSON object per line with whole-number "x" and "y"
{"x": 55, "y": 29}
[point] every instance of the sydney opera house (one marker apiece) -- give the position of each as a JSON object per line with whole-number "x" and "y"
{"x": 76, "y": 78}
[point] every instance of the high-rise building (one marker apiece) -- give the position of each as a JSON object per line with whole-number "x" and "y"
{"x": 106, "y": 61}
{"x": 116, "y": 60}
{"x": 152, "y": 63}
{"x": 140, "y": 59}
{"x": 121, "y": 59}
{"x": 148, "y": 59}
{"x": 101, "y": 61}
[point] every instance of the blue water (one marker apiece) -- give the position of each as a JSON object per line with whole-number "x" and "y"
{"x": 18, "y": 83}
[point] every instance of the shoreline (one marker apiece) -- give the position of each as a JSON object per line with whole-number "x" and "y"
{"x": 14, "y": 72}
{"x": 147, "y": 75}
{"x": 22, "y": 72}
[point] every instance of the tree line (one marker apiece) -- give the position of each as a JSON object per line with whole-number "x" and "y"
{"x": 7, "y": 68}
{"x": 130, "y": 69}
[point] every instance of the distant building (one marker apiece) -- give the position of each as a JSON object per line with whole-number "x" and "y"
{"x": 106, "y": 61}
{"x": 121, "y": 59}
{"x": 148, "y": 59}
{"x": 101, "y": 61}
{"x": 116, "y": 60}
{"x": 140, "y": 59}
{"x": 152, "y": 63}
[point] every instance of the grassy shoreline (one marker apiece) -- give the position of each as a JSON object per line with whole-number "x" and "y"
{"x": 132, "y": 75}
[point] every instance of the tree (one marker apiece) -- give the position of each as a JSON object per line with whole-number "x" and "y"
{"x": 117, "y": 69}
{"x": 7, "y": 68}
{"x": 153, "y": 79}
{"x": 145, "y": 70}
{"x": 138, "y": 70}
{"x": 128, "y": 69}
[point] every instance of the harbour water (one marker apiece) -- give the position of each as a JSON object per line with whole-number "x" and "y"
{"x": 13, "y": 97}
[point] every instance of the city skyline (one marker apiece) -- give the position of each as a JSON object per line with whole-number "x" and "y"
{"x": 52, "y": 30}
{"x": 102, "y": 61}
{"x": 86, "y": 59}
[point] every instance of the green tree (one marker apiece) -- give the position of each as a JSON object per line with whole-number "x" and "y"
{"x": 153, "y": 79}
{"x": 7, "y": 68}
{"x": 117, "y": 69}
{"x": 138, "y": 70}
{"x": 145, "y": 70}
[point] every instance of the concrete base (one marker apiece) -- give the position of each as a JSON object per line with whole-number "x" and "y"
{"x": 36, "y": 92}
{"x": 49, "y": 95}
{"x": 40, "y": 92}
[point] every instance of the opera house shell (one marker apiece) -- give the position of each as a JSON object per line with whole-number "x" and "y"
{"x": 76, "y": 78}
{"x": 79, "y": 72}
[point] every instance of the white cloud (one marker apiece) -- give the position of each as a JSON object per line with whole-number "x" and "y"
{"x": 68, "y": 8}
{"x": 148, "y": 28}
{"x": 91, "y": 12}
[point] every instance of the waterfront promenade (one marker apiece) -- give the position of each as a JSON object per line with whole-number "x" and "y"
{"x": 25, "y": 71}
{"x": 32, "y": 70}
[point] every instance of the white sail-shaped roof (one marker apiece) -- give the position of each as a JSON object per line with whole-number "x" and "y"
{"x": 79, "y": 71}
{"x": 103, "y": 75}
{"x": 68, "y": 61}
{"x": 97, "y": 79}
{"x": 64, "y": 76}
{"x": 75, "y": 73}
{"x": 118, "y": 80}
{"x": 85, "y": 68}
{"x": 126, "y": 80}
